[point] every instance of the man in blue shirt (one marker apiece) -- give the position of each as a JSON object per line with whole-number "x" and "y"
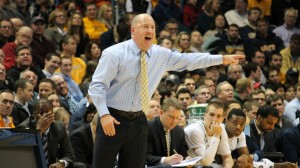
{"x": 116, "y": 92}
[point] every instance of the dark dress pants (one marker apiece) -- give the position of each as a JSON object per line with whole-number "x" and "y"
{"x": 130, "y": 142}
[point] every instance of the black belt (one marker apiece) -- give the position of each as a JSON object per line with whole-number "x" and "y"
{"x": 126, "y": 114}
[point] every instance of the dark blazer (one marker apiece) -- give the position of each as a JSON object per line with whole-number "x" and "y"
{"x": 289, "y": 144}
{"x": 59, "y": 145}
{"x": 19, "y": 114}
{"x": 269, "y": 138}
{"x": 83, "y": 145}
{"x": 156, "y": 143}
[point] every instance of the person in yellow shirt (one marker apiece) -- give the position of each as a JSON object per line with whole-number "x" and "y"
{"x": 92, "y": 26}
{"x": 6, "y": 105}
{"x": 68, "y": 50}
{"x": 263, "y": 5}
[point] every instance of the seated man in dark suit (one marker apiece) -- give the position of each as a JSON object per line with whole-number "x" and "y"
{"x": 262, "y": 128}
{"x": 289, "y": 144}
{"x": 82, "y": 140}
{"x": 165, "y": 137}
{"x": 59, "y": 151}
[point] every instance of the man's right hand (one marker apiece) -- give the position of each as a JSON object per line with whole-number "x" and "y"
{"x": 107, "y": 122}
{"x": 216, "y": 129}
{"x": 174, "y": 159}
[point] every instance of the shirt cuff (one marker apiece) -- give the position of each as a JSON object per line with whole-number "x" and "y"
{"x": 162, "y": 160}
{"x": 102, "y": 109}
{"x": 66, "y": 163}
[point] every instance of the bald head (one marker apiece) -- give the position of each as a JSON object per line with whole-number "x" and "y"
{"x": 143, "y": 31}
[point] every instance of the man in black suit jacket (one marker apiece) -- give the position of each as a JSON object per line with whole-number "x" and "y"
{"x": 83, "y": 142}
{"x": 60, "y": 153}
{"x": 157, "y": 152}
{"x": 267, "y": 117}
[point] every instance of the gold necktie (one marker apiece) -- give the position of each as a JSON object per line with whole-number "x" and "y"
{"x": 144, "y": 83}
{"x": 168, "y": 142}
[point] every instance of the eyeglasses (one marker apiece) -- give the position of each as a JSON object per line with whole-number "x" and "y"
{"x": 24, "y": 54}
{"x": 61, "y": 16}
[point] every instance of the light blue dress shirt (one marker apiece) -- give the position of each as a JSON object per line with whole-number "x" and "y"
{"x": 116, "y": 81}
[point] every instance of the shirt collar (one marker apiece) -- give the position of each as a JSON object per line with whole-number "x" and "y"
{"x": 136, "y": 50}
{"x": 257, "y": 129}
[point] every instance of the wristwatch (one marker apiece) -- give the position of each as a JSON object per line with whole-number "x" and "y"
{"x": 62, "y": 162}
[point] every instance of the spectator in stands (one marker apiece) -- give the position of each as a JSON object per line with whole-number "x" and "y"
{"x": 202, "y": 94}
{"x": 2, "y": 56}
{"x": 283, "y": 122}
{"x": 40, "y": 45}
{"x": 218, "y": 29}
{"x": 138, "y": 6}
{"x": 248, "y": 32}
{"x": 238, "y": 15}
{"x": 191, "y": 11}
{"x": 17, "y": 25}
{"x": 46, "y": 88}
{"x": 278, "y": 9}
{"x": 253, "y": 72}
{"x": 23, "y": 89}
{"x": 210, "y": 84}
{"x": 32, "y": 77}
{"x": 182, "y": 42}
{"x": 154, "y": 109}
{"x": 41, "y": 8}
{"x": 55, "y": 30}
{"x": 250, "y": 109}
{"x": 165, "y": 136}
{"x": 23, "y": 37}
{"x": 62, "y": 115}
{"x": 92, "y": 26}
{"x": 184, "y": 97}
{"x": 232, "y": 41}
{"x": 23, "y": 10}
{"x": 92, "y": 51}
{"x": 165, "y": 42}
{"x": 204, "y": 20}
{"x": 106, "y": 15}
{"x": 214, "y": 73}
{"x": 286, "y": 30}
{"x": 76, "y": 30}
{"x": 224, "y": 92}
{"x": 68, "y": 50}
{"x": 264, "y": 6}
{"x": 292, "y": 109}
{"x": 259, "y": 95}
{"x": 276, "y": 61}
{"x": 196, "y": 41}
{"x": 243, "y": 88}
{"x": 190, "y": 84}
{"x": 115, "y": 35}
{"x": 266, "y": 41}
{"x": 172, "y": 26}
{"x": 234, "y": 72}
{"x": 65, "y": 69}
{"x": 165, "y": 10}
{"x": 54, "y": 99}
{"x": 6, "y": 11}
{"x": 62, "y": 90}
{"x": 90, "y": 69}
{"x": 290, "y": 92}
{"x": 23, "y": 62}
{"x": 52, "y": 62}
{"x": 6, "y": 32}
{"x": 208, "y": 138}
{"x": 6, "y": 105}
{"x": 3, "y": 81}
{"x": 290, "y": 55}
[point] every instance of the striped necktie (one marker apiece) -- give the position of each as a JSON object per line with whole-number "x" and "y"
{"x": 45, "y": 146}
{"x": 144, "y": 83}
